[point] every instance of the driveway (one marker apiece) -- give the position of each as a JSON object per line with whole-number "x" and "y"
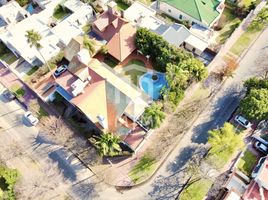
{"x": 47, "y": 170}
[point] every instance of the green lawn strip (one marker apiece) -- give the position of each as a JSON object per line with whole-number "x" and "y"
{"x": 197, "y": 190}
{"x": 230, "y": 23}
{"x": 18, "y": 90}
{"x": 32, "y": 71}
{"x": 9, "y": 57}
{"x": 143, "y": 169}
{"x": 247, "y": 162}
{"x": 121, "y": 5}
{"x": 243, "y": 42}
{"x": 134, "y": 75}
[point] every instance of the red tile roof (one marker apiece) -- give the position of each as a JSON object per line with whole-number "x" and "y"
{"x": 108, "y": 24}
{"x": 253, "y": 192}
{"x": 122, "y": 43}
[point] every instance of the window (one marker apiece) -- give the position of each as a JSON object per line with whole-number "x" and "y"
{"x": 180, "y": 16}
{"x": 169, "y": 10}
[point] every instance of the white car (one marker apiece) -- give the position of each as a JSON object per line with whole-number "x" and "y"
{"x": 261, "y": 147}
{"x": 60, "y": 70}
{"x": 242, "y": 121}
{"x": 30, "y": 118}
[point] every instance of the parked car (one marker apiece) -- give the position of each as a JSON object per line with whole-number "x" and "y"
{"x": 9, "y": 95}
{"x": 60, "y": 70}
{"x": 257, "y": 167}
{"x": 242, "y": 121}
{"x": 261, "y": 147}
{"x": 30, "y": 118}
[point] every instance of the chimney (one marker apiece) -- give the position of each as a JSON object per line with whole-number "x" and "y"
{"x": 112, "y": 7}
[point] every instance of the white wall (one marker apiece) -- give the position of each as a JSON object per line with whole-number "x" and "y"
{"x": 175, "y": 13}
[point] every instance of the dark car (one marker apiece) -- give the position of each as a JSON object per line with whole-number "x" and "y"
{"x": 60, "y": 70}
{"x": 261, "y": 147}
{"x": 9, "y": 95}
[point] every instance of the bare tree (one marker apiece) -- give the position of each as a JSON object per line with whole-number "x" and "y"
{"x": 34, "y": 106}
{"x": 56, "y": 129}
{"x": 44, "y": 185}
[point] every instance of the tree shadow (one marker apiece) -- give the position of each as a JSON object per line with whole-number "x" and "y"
{"x": 41, "y": 139}
{"x": 222, "y": 109}
{"x": 180, "y": 161}
{"x": 66, "y": 163}
{"x": 85, "y": 191}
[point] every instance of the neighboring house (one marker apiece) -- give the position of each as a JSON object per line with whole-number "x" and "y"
{"x": 108, "y": 23}
{"x": 239, "y": 186}
{"x": 116, "y": 31}
{"x": 174, "y": 34}
{"x": 53, "y": 37}
{"x": 11, "y": 13}
{"x": 122, "y": 44}
{"x": 203, "y": 12}
{"x": 258, "y": 187}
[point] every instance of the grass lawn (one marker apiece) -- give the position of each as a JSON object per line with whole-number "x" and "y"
{"x": 229, "y": 22}
{"x": 143, "y": 168}
{"x": 197, "y": 190}
{"x": 19, "y": 91}
{"x": 87, "y": 28}
{"x": 134, "y": 70}
{"x": 110, "y": 61}
{"x": 243, "y": 42}
{"x": 247, "y": 162}
{"x": 8, "y": 57}
{"x": 121, "y": 5}
{"x": 60, "y": 12}
{"x": 32, "y": 71}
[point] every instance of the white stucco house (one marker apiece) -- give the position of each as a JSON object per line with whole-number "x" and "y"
{"x": 11, "y": 13}
{"x": 203, "y": 12}
{"x": 53, "y": 37}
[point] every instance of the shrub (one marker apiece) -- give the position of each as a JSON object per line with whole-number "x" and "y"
{"x": 23, "y": 2}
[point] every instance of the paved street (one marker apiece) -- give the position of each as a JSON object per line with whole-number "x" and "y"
{"x": 47, "y": 170}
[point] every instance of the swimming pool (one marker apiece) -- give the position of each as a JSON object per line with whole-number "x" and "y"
{"x": 152, "y": 83}
{"x": 30, "y": 8}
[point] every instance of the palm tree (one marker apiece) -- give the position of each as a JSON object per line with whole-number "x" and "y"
{"x": 33, "y": 38}
{"x": 153, "y": 116}
{"x": 108, "y": 144}
{"x": 89, "y": 44}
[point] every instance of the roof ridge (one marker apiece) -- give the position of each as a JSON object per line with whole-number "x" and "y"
{"x": 195, "y": 1}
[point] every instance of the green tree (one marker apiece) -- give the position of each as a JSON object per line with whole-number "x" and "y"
{"x": 259, "y": 21}
{"x": 255, "y": 83}
{"x": 153, "y": 116}
{"x": 23, "y": 2}
{"x": 223, "y": 143}
{"x": 89, "y": 44}
{"x": 33, "y": 38}
{"x": 108, "y": 144}
{"x": 176, "y": 76}
{"x": 255, "y": 104}
{"x": 196, "y": 68}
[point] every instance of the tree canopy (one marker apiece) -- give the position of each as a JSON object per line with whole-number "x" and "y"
{"x": 223, "y": 143}
{"x": 255, "y": 103}
{"x": 33, "y": 38}
{"x": 153, "y": 115}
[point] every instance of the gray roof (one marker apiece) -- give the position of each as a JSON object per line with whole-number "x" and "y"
{"x": 175, "y": 34}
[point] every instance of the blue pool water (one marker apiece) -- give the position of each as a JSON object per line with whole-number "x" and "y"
{"x": 153, "y": 87}
{"x": 30, "y": 8}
